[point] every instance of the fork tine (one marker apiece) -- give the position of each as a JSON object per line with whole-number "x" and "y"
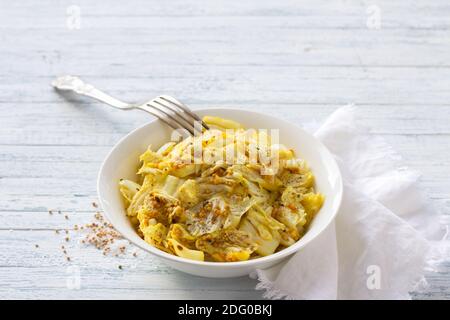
{"x": 186, "y": 125}
{"x": 183, "y": 115}
{"x": 184, "y": 108}
{"x": 162, "y": 116}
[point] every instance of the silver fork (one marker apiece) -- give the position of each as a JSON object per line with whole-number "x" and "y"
{"x": 169, "y": 110}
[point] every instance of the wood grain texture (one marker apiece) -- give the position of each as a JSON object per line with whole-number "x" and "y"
{"x": 295, "y": 60}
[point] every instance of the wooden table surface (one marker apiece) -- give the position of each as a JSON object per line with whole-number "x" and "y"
{"x": 296, "y": 60}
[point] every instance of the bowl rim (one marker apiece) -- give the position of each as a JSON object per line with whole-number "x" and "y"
{"x": 247, "y": 263}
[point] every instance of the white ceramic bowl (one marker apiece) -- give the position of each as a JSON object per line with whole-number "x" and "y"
{"x": 122, "y": 162}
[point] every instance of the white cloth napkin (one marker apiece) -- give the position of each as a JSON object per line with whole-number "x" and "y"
{"x": 384, "y": 237}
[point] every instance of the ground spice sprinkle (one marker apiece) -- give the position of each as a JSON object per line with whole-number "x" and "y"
{"x": 102, "y": 235}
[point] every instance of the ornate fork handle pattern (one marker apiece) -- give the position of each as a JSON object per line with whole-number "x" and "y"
{"x": 71, "y": 83}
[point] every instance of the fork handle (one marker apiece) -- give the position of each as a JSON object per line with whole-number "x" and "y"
{"x": 75, "y": 84}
